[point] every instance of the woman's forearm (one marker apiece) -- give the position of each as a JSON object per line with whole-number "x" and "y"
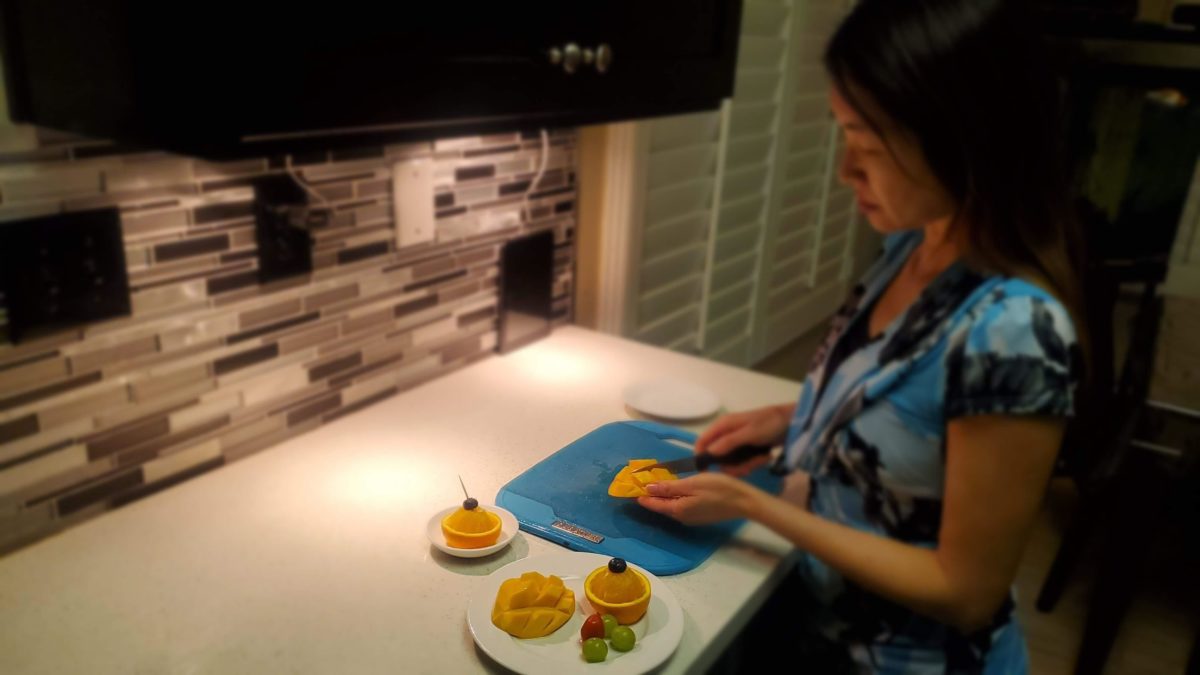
{"x": 909, "y": 575}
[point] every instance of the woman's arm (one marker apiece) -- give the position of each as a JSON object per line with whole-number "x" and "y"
{"x": 996, "y": 473}
{"x": 762, "y": 426}
{"x": 767, "y": 425}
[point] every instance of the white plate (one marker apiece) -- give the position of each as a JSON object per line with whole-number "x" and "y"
{"x": 658, "y": 632}
{"x": 508, "y": 530}
{"x": 672, "y": 399}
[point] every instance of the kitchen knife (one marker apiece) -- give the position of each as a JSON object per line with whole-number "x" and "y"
{"x": 702, "y": 461}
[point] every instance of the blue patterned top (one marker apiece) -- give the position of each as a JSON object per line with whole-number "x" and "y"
{"x": 872, "y": 434}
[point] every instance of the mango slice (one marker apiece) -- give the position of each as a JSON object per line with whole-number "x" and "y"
{"x": 617, "y": 588}
{"x": 630, "y": 484}
{"x": 532, "y": 606}
{"x": 470, "y": 522}
{"x": 474, "y": 528}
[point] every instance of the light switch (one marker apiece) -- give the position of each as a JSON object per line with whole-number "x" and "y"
{"x": 412, "y": 200}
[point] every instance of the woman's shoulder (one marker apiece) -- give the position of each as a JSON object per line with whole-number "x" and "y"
{"x": 1018, "y": 315}
{"x": 1015, "y": 352}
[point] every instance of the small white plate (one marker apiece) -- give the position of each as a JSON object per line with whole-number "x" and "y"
{"x": 508, "y": 530}
{"x": 672, "y": 399}
{"x": 658, "y": 632}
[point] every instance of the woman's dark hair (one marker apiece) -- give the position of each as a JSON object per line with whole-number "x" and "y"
{"x": 973, "y": 84}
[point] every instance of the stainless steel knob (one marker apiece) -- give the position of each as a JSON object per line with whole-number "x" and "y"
{"x": 571, "y": 57}
{"x": 556, "y": 56}
{"x": 589, "y": 56}
{"x": 604, "y": 57}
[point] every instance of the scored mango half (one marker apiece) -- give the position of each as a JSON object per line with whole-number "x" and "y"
{"x": 532, "y": 605}
{"x": 630, "y": 484}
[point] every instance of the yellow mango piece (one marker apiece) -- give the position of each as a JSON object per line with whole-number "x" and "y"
{"x": 471, "y": 522}
{"x": 625, "y": 595}
{"x": 630, "y": 484}
{"x": 476, "y": 528}
{"x": 525, "y": 592}
{"x": 550, "y": 592}
{"x": 617, "y": 588}
{"x": 532, "y": 606}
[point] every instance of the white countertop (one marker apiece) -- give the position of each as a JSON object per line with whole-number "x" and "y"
{"x": 311, "y": 557}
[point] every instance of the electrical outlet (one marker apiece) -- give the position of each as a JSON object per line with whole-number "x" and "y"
{"x": 283, "y": 221}
{"x": 412, "y": 201}
{"x": 63, "y": 270}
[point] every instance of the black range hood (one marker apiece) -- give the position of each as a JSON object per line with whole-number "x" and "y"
{"x": 228, "y": 79}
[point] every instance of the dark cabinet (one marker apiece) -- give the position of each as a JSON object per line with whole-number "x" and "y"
{"x": 228, "y": 79}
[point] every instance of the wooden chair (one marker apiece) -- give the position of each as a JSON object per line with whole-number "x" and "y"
{"x": 1097, "y": 439}
{"x": 1131, "y": 488}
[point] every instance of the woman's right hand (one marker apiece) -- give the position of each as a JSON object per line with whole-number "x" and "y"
{"x": 763, "y": 426}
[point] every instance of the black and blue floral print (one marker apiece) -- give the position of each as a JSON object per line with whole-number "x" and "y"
{"x": 872, "y": 433}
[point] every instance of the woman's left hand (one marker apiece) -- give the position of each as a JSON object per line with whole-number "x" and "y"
{"x": 709, "y": 497}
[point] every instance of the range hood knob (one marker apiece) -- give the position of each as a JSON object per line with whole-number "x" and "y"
{"x": 571, "y": 57}
{"x": 589, "y": 56}
{"x": 556, "y": 56}
{"x": 604, "y": 57}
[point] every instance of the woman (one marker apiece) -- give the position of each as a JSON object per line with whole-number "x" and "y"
{"x": 928, "y": 426}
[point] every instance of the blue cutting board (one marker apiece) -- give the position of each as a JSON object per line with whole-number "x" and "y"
{"x": 564, "y": 498}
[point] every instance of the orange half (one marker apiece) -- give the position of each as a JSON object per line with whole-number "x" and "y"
{"x": 463, "y": 539}
{"x": 626, "y": 612}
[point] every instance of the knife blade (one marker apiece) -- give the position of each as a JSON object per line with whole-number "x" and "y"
{"x": 702, "y": 461}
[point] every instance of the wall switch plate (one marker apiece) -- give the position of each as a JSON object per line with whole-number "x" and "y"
{"x": 412, "y": 200}
{"x": 283, "y": 224}
{"x": 63, "y": 270}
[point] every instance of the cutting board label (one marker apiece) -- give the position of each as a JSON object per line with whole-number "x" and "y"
{"x": 572, "y": 528}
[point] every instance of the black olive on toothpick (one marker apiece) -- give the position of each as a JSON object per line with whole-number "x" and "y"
{"x": 470, "y": 503}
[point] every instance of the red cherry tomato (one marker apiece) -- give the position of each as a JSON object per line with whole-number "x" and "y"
{"x": 593, "y": 627}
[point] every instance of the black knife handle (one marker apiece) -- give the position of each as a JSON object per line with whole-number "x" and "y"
{"x": 742, "y": 453}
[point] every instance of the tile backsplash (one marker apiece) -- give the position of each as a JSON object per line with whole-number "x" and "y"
{"x": 212, "y": 366}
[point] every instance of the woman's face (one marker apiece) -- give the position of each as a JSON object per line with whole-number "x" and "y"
{"x": 896, "y": 189}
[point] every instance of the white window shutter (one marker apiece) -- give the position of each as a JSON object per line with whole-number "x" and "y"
{"x": 681, "y": 173}
{"x": 753, "y": 119}
{"x": 799, "y": 291}
{"x": 746, "y": 240}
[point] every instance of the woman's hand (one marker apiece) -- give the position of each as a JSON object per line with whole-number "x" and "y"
{"x": 705, "y": 498}
{"x": 763, "y": 426}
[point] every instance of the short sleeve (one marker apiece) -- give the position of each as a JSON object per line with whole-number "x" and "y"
{"x": 1018, "y": 357}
